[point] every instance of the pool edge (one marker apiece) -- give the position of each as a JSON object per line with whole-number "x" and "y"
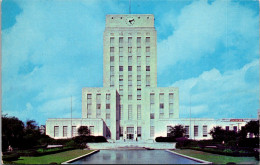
{"x": 79, "y": 157}
{"x": 192, "y": 158}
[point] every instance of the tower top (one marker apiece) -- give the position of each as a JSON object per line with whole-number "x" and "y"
{"x": 130, "y": 20}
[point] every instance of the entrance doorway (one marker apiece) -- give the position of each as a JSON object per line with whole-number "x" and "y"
{"x": 130, "y": 133}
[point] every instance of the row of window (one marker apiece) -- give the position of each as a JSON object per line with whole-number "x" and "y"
{"x": 195, "y": 130}
{"x": 73, "y": 131}
{"x": 130, "y": 60}
{"x": 130, "y": 130}
{"x": 130, "y": 39}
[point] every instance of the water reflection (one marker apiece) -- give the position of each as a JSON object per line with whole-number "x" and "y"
{"x": 134, "y": 157}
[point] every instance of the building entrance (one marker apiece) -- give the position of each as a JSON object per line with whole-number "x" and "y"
{"x": 130, "y": 133}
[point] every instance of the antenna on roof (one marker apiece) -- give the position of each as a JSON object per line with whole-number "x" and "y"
{"x": 129, "y": 6}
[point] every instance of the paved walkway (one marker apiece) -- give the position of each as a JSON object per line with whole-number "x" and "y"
{"x": 131, "y": 145}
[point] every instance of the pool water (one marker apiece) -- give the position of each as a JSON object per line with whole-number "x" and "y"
{"x": 134, "y": 157}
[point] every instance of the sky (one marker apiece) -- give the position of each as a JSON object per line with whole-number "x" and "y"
{"x": 51, "y": 49}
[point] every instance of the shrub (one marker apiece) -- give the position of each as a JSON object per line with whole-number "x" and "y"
{"x": 184, "y": 142}
{"x": 11, "y": 157}
{"x": 165, "y": 139}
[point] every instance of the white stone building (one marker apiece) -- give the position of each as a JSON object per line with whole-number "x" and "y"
{"x": 130, "y": 105}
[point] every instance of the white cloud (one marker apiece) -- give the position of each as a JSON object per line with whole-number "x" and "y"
{"x": 202, "y": 27}
{"x": 221, "y": 95}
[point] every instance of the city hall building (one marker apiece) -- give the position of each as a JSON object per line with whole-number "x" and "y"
{"x": 130, "y": 106}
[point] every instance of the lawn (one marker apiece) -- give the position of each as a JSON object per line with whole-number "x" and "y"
{"x": 46, "y": 159}
{"x": 215, "y": 158}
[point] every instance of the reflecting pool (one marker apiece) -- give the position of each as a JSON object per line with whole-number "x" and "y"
{"x": 134, "y": 157}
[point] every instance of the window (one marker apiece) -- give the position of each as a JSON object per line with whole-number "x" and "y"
{"x": 91, "y": 130}
{"x": 121, "y": 59}
{"x": 121, "y": 68}
{"x": 65, "y": 131}
{"x": 169, "y": 128}
{"x": 107, "y": 97}
{"x": 129, "y": 112}
{"x": 130, "y": 130}
{"x": 74, "y": 131}
{"x": 129, "y": 68}
{"x": 130, "y": 89}
{"x": 138, "y": 94}
{"x": 152, "y": 131}
{"x": 138, "y": 60}
{"x": 121, "y": 112}
{"x": 161, "y": 106}
{"x": 129, "y": 41}
{"x": 107, "y": 106}
{"x": 129, "y": 60}
{"x": 147, "y": 49}
{"x": 147, "y": 80}
{"x": 196, "y": 128}
{"x": 171, "y": 107}
{"x": 147, "y": 40}
{"x": 98, "y": 98}
{"x": 205, "y": 131}
{"x": 138, "y": 41}
{"x": 98, "y": 114}
{"x": 139, "y": 52}
{"x": 152, "y": 108}
{"x": 130, "y": 97}
{"x": 98, "y": 106}
{"x": 152, "y": 116}
{"x": 129, "y": 50}
{"x": 111, "y": 80}
{"x": 107, "y": 115}
{"x": 112, "y": 50}
{"x": 89, "y": 98}
{"x": 89, "y": 109}
{"x": 112, "y": 69}
{"x": 129, "y": 79}
{"x": 121, "y": 131}
{"x": 112, "y": 41}
{"x": 170, "y": 97}
{"x": 56, "y": 131}
{"x": 139, "y": 131}
{"x": 161, "y": 97}
{"x": 147, "y": 68}
{"x": 147, "y": 60}
{"x": 121, "y": 42}
{"x": 139, "y": 112}
{"x": 187, "y": 131}
{"x": 138, "y": 68}
{"x": 227, "y": 128}
{"x": 152, "y": 98}
{"x": 138, "y": 77}
{"x": 112, "y": 59}
{"x": 120, "y": 51}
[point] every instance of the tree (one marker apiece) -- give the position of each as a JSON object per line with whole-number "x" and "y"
{"x": 177, "y": 131}
{"x": 12, "y": 131}
{"x": 253, "y": 127}
{"x": 218, "y": 134}
{"x": 31, "y": 125}
{"x": 83, "y": 130}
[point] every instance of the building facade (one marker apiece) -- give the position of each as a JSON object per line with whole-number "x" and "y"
{"x": 130, "y": 106}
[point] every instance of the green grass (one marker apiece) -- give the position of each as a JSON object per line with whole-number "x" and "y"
{"x": 215, "y": 158}
{"x": 47, "y": 159}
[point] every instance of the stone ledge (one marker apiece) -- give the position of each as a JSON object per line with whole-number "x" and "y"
{"x": 74, "y": 159}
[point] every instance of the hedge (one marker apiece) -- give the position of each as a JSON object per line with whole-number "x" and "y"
{"x": 227, "y": 152}
{"x": 34, "y": 152}
{"x": 165, "y": 139}
{"x": 10, "y": 156}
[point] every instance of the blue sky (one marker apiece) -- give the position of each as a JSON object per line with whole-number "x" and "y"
{"x": 51, "y": 49}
